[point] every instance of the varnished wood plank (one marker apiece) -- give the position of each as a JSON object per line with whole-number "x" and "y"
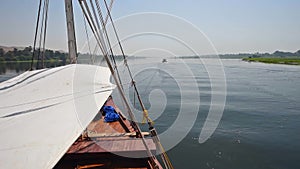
{"x": 97, "y": 146}
{"x": 88, "y": 152}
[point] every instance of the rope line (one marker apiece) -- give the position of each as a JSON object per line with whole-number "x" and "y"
{"x": 91, "y": 22}
{"x": 35, "y": 35}
{"x": 41, "y": 35}
{"x": 88, "y": 15}
{"x": 41, "y": 29}
{"x": 145, "y": 111}
{"x": 88, "y": 40}
{"x": 108, "y": 41}
{"x": 104, "y": 43}
{"x": 45, "y": 32}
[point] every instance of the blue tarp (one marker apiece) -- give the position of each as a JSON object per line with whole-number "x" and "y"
{"x": 110, "y": 114}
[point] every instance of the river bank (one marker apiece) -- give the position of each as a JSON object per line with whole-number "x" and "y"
{"x": 21, "y": 66}
{"x": 287, "y": 61}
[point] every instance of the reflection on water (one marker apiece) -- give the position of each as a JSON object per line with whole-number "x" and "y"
{"x": 260, "y": 124}
{"x": 19, "y": 67}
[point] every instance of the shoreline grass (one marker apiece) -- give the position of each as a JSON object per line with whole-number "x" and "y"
{"x": 286, "y": 61}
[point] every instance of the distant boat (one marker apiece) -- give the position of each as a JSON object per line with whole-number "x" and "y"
{"x": 51, "y": 118}
{"x": 164, "y": 61}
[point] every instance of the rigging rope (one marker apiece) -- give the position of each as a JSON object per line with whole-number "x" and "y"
{"x": 126, "y": 65}
{"x": 96, "y": 49}
{"x": 90, "y": 19}
{"x": 45, "y": 33}
{"x": 111, "y": 54}
{"x": 104, "y": 45}
{"x": 108, "y": 41}
{"x": 110, "y": 7}
{"x": 164, "y": 156}
{"x": 88, "y": 40}
{"x": 42, "y": 35}
{"x": 35, "y": 35}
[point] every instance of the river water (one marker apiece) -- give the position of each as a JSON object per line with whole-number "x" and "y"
{"x": 260, "y": 126}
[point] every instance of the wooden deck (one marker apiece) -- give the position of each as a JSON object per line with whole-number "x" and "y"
{"x": 106, "y": 146}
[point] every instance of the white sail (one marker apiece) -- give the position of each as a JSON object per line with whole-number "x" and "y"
{"x": 43, "y": 112}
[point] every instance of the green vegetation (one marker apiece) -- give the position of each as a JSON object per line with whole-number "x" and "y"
{"x": 288, "y": 61}
{"x": 276, "y": 54}
{"x": 14, "y": 55}
{"x": 25, "y": 55}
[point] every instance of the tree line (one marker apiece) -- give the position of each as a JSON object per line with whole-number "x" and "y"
{"x": 276, "y": 54}
{"x": 27, "y": 53}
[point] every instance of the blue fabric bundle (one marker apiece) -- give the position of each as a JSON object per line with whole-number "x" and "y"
{"x": 110, "y": 114}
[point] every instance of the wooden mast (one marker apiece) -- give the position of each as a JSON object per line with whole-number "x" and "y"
{"x": 71, "y": 31}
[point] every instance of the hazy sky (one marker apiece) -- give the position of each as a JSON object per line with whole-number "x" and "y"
{"x": 232, "y": 26}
